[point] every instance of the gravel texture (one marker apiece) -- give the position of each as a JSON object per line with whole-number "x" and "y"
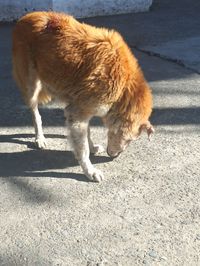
{"x": 145, "y": 212}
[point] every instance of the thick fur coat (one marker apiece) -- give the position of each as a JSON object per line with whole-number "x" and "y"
{"x": 91, "y": 70}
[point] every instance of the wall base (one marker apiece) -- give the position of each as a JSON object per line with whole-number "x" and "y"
{"x": 13, "y": 9}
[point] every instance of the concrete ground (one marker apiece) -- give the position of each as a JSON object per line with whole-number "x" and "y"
{"x": 147, "y": 210}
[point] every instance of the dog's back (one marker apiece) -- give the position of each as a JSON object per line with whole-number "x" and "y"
{"x": 72, "y": 60}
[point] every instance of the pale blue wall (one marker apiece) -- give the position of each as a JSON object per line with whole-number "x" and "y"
{"x": 85, "y": 8}
{"x": 13, "y": 9}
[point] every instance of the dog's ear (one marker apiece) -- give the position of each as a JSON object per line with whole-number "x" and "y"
{"x": 148, "y": 128}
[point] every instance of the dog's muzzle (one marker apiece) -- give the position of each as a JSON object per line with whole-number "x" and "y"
{"x": 113, "y": 156}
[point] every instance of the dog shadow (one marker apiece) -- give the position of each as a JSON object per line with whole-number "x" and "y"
{"x": 23, "y": 139}
{"x": 40, "y": 163}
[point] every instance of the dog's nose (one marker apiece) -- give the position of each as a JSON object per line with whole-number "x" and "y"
{"x": 113, "y": 156}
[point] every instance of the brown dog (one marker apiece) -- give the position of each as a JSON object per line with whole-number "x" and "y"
{"x": 91, "y": 70}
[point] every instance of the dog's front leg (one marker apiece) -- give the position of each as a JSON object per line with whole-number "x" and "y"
{"x": 95, "y": 149}
{"x": 79, "y": 139}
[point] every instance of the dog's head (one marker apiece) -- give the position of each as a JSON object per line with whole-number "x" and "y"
{"x": 129, "y": 116}
{"x": 118, "y": 140}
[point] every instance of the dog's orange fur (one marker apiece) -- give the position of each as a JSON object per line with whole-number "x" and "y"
{"x": 83, "y": 65}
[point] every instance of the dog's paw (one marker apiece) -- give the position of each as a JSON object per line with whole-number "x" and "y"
{"x": 41, "y": 142}
{"x": 96, "y": 149}
{"x": 95, "y": 175}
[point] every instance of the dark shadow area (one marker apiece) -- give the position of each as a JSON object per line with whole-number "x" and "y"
{"x": 15, "y": 166}
{"x": 19, "y": 139}
{"x": 176, "y": 92}
{"x": 22, "y": 117}
{"x": 34, "y": 163}
{"x": 176, "y": 116}
{"x": 50, "y": 117}
{"x": 166, "y": 20}
{"x": 160, "y": 116}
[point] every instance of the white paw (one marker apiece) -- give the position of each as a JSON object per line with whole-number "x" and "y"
{"x": 96, "y": 149}
{"x": 41, "y": 142}
{"x": 95, "y": 175}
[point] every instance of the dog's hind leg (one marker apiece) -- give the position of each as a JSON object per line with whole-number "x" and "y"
{"x": 94, "y": 149}
{"x": 79, "y": 139}
{"x": 26, "y": 76}
{"x": 34, "y": 90}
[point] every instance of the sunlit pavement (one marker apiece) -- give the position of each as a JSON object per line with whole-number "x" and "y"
{"x": 147, "y": 210}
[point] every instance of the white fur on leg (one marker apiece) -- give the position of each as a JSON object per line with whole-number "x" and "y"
{"x": 40, "y": 140}
{"x": 91, "y": 172}
{"x": 79, "y": 139}
{"x": 95, "y": 149}
{"x": 34, "y": 88}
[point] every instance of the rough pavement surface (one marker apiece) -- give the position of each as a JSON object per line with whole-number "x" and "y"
{"x": 147, "y": 210}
